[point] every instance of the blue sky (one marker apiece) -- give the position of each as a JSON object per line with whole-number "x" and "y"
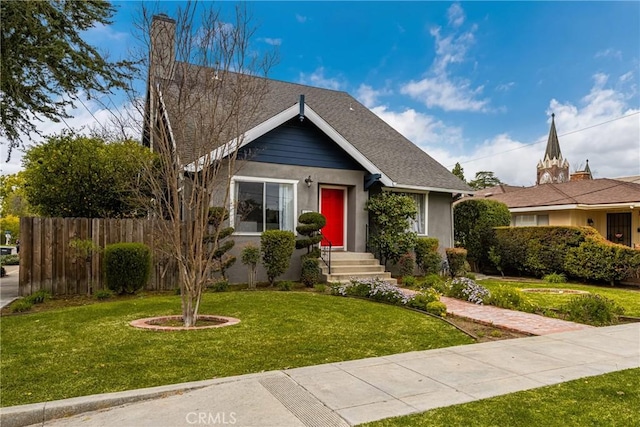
{"x": 470, "y": 82}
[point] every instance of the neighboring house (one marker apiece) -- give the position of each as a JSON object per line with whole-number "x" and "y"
{"x": 611, "y": 206}
{"x": 310, "y": 149}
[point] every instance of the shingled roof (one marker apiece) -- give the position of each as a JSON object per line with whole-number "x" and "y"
{"x": 404, "y": 163}
{"x": 592, "y": 192}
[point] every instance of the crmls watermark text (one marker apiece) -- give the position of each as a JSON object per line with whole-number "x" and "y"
{"x": 211, "y": 418}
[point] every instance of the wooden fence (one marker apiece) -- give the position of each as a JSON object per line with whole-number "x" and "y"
{"x": 47, "y": 261}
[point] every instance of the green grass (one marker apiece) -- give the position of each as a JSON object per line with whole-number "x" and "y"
{"x": 74, "y": 351}
{"x": 627, "y": 298}
{"x": 606, "y": 400}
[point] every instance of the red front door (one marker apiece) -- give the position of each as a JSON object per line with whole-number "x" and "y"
{"x": 332, "y": 207}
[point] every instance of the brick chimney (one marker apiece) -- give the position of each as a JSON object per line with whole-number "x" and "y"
{"x": 162, "y": 53}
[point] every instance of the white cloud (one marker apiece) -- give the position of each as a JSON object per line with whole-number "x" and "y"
{"x": 505, "y": 87}
{"x": 609, "y": 53}
{"x": 419, "y": 128}
{"x": 455, "y": 14}
{"x": 301, "y": 19}
{"x": 446, "y": 93}
{"x": 272, "y": 42}
{"x": 102, "y": 32}
{"x": 369, "y": 96}
{"x": 318, "y": 79}
{"x": 439, "y": 88}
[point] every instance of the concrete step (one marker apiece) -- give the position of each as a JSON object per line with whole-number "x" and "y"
{"x": 353, "y": 269}
{"x": 351, "y": 255}
{"x": 363, "y": 262}
{"x": 347, "y": 277}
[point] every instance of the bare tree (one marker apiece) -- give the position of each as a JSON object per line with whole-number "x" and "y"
{"x": 204, "y": 91}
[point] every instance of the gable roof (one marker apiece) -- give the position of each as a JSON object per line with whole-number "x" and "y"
{"x": 367, "y": 138}
{"x": 594, "y": 193}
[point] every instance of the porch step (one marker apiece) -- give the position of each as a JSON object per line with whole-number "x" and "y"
{"x": 346, "y": 266}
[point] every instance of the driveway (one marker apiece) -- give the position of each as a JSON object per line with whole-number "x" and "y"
{"x": 9, "y": 285}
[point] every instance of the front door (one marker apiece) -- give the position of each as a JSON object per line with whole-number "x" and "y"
{"x": 332, "y": 206}
{"x": 619, "y": 228}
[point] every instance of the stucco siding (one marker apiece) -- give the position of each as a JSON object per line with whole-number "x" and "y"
{"x": 440, "y": 218}
{"x": 307, "y": 200}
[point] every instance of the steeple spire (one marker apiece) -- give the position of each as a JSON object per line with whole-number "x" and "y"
{"x": 553, "y": 146}
{"x": 552, "y": 168}
{"x": 587, "y": 168}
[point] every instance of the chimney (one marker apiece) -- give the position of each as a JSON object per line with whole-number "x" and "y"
{"x": 162, "y": 59}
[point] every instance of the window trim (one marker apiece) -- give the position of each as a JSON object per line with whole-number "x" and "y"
{"x": 232, "y": 193}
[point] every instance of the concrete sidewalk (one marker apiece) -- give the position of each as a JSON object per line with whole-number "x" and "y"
{"x": 349, "y": 393}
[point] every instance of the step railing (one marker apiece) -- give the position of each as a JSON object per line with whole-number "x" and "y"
{"x": 325, "y": 252}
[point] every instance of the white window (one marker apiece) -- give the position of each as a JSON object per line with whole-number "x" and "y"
{"x": 531, "y": 220}
{"x": 260, "y": 204}
{"x": 419, "y": 224}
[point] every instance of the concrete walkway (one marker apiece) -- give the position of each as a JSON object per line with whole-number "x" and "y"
{"x": 349, "y": 393}
{"x": 9, "y": 285}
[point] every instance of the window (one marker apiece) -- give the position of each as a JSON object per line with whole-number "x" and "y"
{"x": 418, "y": 225}
{"x": 261, "y": 204}
{"x": 531, "y": 220}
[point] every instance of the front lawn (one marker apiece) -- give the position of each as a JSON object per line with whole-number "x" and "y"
{"x": 84, "y": 350}
{"x": 606, "y": 400}
{"x": 627, "y": 298}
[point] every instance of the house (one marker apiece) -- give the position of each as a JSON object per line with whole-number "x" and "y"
{"x": 304, "y": 149}
{"x": 611, "y": 206}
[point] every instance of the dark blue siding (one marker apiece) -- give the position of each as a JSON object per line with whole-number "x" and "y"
{"x": 300, "y": 144}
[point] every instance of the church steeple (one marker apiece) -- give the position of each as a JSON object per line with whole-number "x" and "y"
{"x": 553, "y": 146}
{"x": 552, "y": 168}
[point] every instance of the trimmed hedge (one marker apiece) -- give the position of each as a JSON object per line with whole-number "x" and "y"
{"x": 456, "y": 258}
{"x": 127, "y": 267}
{"x": 578, "y": 252}
{"x": 277, "y": 248}
{"x": 428, "y": 259}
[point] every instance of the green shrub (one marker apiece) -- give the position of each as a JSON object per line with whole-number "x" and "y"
{"x": 421, "y": 299}
{"x": 220, "y": 238}
{"x": 555, "y": 278}
{"x": 311, "y": 223}
{"x": 220, "y": 285}
{"x": 428, "y": 259}
{"x": 406, "y": 264}
{"x": 593, "y": 310}
{"x": 285, "y": 285}
{"x": 601, "y": 261}
{"x": 437, "y": 308}
{"x": 409, "y": 281}
{"x": 103, "y": 294}
{"x": 432, "y": 280}
{"x": 127, "y": 267}
{"x": 469, "y": 275}
{"x": 310, "y": 271}
{"x": 38, "y": 297}
{"x": 320, "y": 288}
{"x": 474, "y": 221}
{"x": 456, "y": 258}
{"x": 277, "y": 247}
{"x": 511, "y": 298}
{"x": 13, "y": 259}
{"x": 537, "y": 251}
{"x": 251, "y": 257}
{"x": 375, "y": 289}
{"x": 21, "y": 305}
{"x": 390, "y": 215}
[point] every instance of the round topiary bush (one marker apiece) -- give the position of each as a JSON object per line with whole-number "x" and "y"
{"x": 127, "y": 267}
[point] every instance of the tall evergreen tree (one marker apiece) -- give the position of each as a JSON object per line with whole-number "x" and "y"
{"x": 46, "y": 65}
{"x": 458, "y": 171}
{"x": 485, "y": 179}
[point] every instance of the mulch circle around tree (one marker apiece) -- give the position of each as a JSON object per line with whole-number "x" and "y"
{"x": 173, "y": 323}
